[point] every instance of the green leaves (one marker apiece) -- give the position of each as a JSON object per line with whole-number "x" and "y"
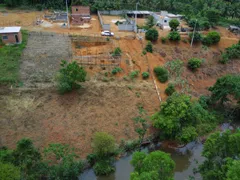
{"x": 174, "y": 23}
{"x": 154, "y": 166}
{"x": 151, "y": 34}
{"x": 69, "y": 76}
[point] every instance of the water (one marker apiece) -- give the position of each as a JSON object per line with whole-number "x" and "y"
{"x": 185, "y": 159}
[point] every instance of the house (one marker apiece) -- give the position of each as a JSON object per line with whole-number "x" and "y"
{"x": 163, "y": 18}
{"x": 80, "y": 15}
{"x": 11, "y": 35}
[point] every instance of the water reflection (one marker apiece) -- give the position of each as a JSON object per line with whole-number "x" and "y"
{"x": 185, "y": 159}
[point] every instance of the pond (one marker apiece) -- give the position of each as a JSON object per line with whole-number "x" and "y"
{"x": 185, "y": 159}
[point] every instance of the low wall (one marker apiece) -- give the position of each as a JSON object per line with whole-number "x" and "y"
{"x": 104, "y": 26}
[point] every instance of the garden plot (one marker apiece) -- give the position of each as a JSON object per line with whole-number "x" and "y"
{"x": 42, "y": 56}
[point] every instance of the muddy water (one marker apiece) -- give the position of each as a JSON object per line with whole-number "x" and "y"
{"x": 185, "y": 159}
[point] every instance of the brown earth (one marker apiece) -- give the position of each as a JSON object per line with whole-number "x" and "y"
{"x": 47, "y": 117}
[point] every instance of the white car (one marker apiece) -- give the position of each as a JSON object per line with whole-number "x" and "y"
{"x": 107, "y": 33}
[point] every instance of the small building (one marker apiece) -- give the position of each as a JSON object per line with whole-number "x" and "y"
{"x": 80, "y": 15}
{"x": 57, "y": 16}
{"x": 11, "y": 35}
{"x": 163, "y": 18}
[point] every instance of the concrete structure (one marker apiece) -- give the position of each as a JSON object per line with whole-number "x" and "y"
{"x": 163, "y": 18}
{"x": 57, "y": 16}
{"x": 11, "y": 35}
{"x": 80, "y": 15}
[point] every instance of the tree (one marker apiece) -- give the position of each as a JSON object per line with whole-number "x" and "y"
{"x": 213, "y": 16}
{"x": 233, "y": 172}
{"x": 151, "y": 35}
{"x": 149, "y": 47}
{"x": 174, "y": 36}
{"x": 196, "y": 38}
{"x": 69, "y": 77}
{"x": 194, "y": 63}
{"x": 221, "y": 150}
{"x": 230, "y": 53}
{"x": 154, "y": 166}
{"x": 174, "y": 23}
{"x": 188, "y": 134}
{"x": 9, "y": 172}
{"x": 103, "y": 144}
{"x": 62, "y": 163}
{"x": 170, "y": 89}
{"x": 161, "y": 73}
{"x": 212, "y": 37}
{"x": 150, "y": 22}
{"x": 225, "y": 87}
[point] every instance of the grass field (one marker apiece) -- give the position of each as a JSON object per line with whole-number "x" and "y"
{"x": 9, "y": 61}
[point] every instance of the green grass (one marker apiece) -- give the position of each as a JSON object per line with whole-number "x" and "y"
{"x": 9, "y": 61}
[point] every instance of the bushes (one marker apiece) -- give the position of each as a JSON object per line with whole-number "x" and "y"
{"x": 164, "y": 39}
{"x": 161, "y": 73}
{"x": 194, "y": 63}
{"x": 174, "y": 23}
{"x": 145, "y": 75}
{"x": 170, "y": 89}
{"x": 232, "y": 52}
{"x": 103, "y": 144}
{"x": 103, "y": 167}
{"x": 116, "y": 70}
{"x": 197, "y": 37}
{"x": 151, "y": 35}
{"x": 174, "y": 36}
{"x": 188, "y": 134}
{"x": 134, "y": 74}
{"x": 149, "y": 47}
{"x": 117, "y": 52}
{"x": 211, "y": 38}
{"x": 69, "y": 76}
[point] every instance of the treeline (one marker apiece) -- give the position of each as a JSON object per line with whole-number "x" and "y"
{"x": 226, "y": 8}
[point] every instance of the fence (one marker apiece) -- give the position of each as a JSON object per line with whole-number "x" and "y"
{"x": 104, "y": 26}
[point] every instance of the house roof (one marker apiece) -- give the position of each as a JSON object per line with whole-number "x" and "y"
{"x": 9, "y": 29}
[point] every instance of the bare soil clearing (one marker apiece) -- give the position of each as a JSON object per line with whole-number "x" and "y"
{"x": 47, "y": 117}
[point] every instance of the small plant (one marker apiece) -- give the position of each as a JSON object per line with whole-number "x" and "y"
{"x": 116, "y": 70}
{"x": 144, "y": 52}
{"x": 138, "y": 94}
{"x": 117, "y": 52}
{"x": 170, "y": 89}
{"x": 145, "y": 75}
{"x": 151, "y": 35}
{"x": 185, "y": 41}
{"x": 103, "y": 167}
{"x": 205, "y": 48}
{"x": 212, "y": 37}
{"x": 161, "y": 73}
{"x": 174, "y": 36}
{"x": 134, "y": 74}
{"x": 194, "y": 63}
{"x": 108, "y": 39}
{"x": 164, "y": 39}
{"x": 149, "y": 47}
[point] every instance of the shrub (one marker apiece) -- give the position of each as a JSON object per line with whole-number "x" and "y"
{"x": 232, "y": 52}
{"x": 145, "y": 75}
{"x": 103, "y": 167}
{"x": 194, "y": 63}
{"x": 117, "y": 52}
{"x": 144, "y": 52}
{"x": 174, "y": 36}
{"x": 134, "y": 74}
{"x": 103, "y": 144}
{"x": 197, "y": 37}
{"x": 116, "y": 70}
{"x": 91, "y": 158}
{"x": 161, "y": 73}
{"x": 211, "y": 38}
{"x": 151, "y": 35}
{"x": 69, "y": 76}
{"x": 174, "y": 23}
{"x": 170, "y": 89}
{"x": 149, "y": 47}
{"x": 164, "y": 39}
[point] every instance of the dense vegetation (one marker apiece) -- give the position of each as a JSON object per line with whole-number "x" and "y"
{"x": 231, "y": 53}
{"x": 221, "y": 151}
{"x": 154, "y": 166}
{"x": 57, "y": 162}
{"x": 9, "y": 61}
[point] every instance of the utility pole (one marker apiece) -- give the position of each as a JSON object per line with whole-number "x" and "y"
{"x": 136, "y": 17}
{"x": 67, "y": 14}
{"x": 193, "y": 32}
